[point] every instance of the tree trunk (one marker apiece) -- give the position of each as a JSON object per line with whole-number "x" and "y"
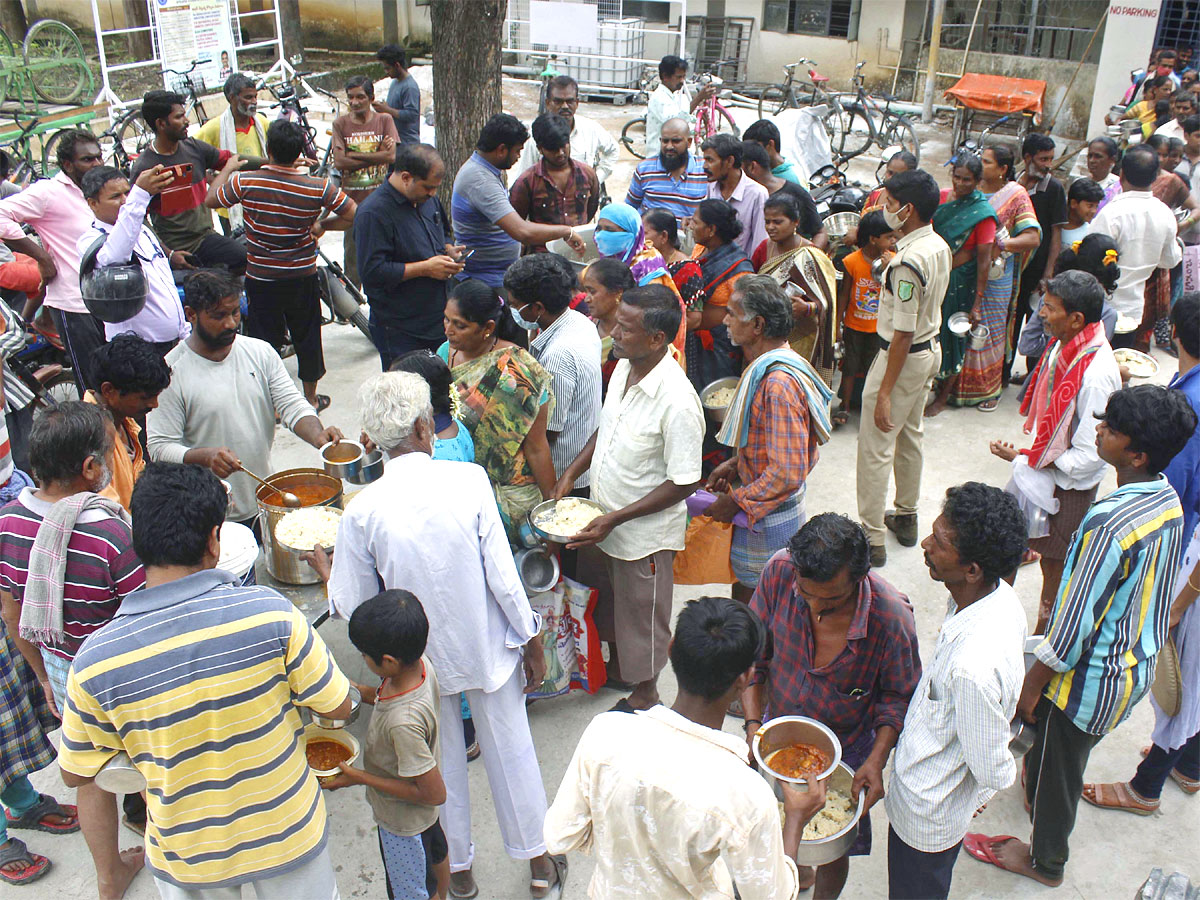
{"x": 289, "y": 20}
{"x": 13, "y": 21}
{"x": 466, "y": 76}
{"x": 138, "y": 16}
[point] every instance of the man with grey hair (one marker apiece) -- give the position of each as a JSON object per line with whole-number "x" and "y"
{"x": 241, "y": 130}
{"x": 778, "y": 417}
{"x": 433, "y": 528}
{"x": 674, "y": 179}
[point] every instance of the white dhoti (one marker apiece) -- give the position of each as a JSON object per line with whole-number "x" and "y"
{"x": 502, "y": 729}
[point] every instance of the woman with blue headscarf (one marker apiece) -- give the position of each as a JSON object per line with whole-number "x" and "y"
{"x": 619, "y": 234}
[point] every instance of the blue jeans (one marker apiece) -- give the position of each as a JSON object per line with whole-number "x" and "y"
{"x": 393, "y": 342}
{"x": 19, "y": 797}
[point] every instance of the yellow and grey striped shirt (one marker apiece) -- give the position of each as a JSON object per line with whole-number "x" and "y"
{"x": 200, "y": 682}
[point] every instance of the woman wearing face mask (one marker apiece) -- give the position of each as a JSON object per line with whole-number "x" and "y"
{"x": 604, "y": 281}
{"x": 506, "y": 398}
{"x": 1018, "y": 236}
{"x": 620, "y": 235}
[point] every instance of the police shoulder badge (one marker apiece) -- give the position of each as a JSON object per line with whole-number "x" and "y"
{"x": 904, "y": 290}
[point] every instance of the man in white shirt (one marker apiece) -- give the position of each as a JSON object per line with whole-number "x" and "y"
{"x": 225, "y": 393}
{"x": 120, "y": 213}
{"x": 645, "y": 461}
{"x": 433, "y": 528}
{"x": 1144, "y": 230}
{"x": 665, "y": 798}
{"x": 727, "y": 181}
{"x": 591, "y": 144}
{"x": 670, "y": 100}
{"x": 1070, "y": 385}
{"x": 953, "y": 752}
{"x": 1183, "y": 104}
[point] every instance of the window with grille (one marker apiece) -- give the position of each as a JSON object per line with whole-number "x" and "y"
{"x": 824, "y": 18}
{"x": 1046, "y": 29}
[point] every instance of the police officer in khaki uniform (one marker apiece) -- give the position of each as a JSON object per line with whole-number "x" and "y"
{"x": 897, "y": 385}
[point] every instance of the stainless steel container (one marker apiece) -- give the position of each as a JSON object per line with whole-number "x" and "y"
{"x": 120, "y": 776}
{"x": 786, "y": 731}
{"x": 343, "y": 459}
{"x": 717, "y": 413}
{"x": 538, "y": 569}
{"x": 370, "y": 470}
{"x": 820, "y": 851}
{"x": 977, "y": 337}
{"x": 355, "y": 703}
{"x": 1021, "y": 737}
{"x": 282, "y": 564}
{"x": 959, "y": 323}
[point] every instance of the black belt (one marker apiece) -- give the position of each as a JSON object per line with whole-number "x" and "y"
{"x": 915, "y": 348}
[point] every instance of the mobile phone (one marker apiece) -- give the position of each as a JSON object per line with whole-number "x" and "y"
{"x": 467, "y": 254}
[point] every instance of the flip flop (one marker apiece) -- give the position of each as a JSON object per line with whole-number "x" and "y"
{"x": 622, "y": 705}
{"x": 1029, "y": 557}
{"x": 323, "y": 402}
{"x": 980, "y": 847}
{"x": 17, "y": 852}
{"x": 1118, "y": 795}
{"x": 46, "y": 806}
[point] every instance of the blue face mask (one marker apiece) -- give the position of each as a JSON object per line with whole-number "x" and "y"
{"x": 613, "y": 243}
{"x": 522, "y": 321}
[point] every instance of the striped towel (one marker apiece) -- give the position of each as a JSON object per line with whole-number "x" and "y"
{"x": 736, "y": 430}
{"x": 42, "y": 604}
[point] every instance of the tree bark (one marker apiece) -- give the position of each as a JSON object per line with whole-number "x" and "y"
{"x": 289, "y": 20}
{"x": 13, "y": 21}
{"x": 138, "y": 16}
{"x": 466, "y": 77}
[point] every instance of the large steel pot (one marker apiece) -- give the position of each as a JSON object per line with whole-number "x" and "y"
{"x": 282, "y": 564}
{"x": 820, "y": 851}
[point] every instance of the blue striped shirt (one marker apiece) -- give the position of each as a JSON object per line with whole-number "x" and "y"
{"x": 655, "y": 188}
{"x": 480, "y": 200}
{"x": 1110, "y": 618}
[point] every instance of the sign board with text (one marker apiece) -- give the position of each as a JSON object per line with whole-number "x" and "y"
{"x": 196, "y": 30}
{"x": 1128, "y": 41}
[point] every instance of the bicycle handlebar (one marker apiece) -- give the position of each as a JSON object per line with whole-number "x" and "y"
{"x": 195, "y": 62}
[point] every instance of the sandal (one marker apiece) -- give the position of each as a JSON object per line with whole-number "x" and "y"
{"x": 1029, "y": 557}
{"x": 988, "y": 405}
{"x": 1187, "y": 785}
{"x": 323, "y": 402}
{"x": 36, "y": 866}
{"x": 553, "y": 891}
{"x": 33, "y": 818}
{"x": 840, "y": 417}
{"x": 1119, "y": 796}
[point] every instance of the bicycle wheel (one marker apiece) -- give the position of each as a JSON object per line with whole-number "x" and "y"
{"x": 772, "y": 101}
{"x": 724, "y": 123}
{"x": 8, "y": 61}
{"x": 900, "y": 132}
{"x": 50, "y": 152}
{"x": 633, "y": 136}
{"x": 854, "y": 132}
{"x": 832, "y": 121}
{"x": 56, "y": 62}
{"x": 128, "y": 136}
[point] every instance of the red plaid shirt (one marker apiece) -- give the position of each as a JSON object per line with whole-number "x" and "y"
{"x": 866, "y": 686}
{"x": 536, "y": 198}
{"x": 780, "y": 450}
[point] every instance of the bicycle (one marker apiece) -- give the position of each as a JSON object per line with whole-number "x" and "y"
{"x": 792, "y": 94}
{"x": 545, "y": 76}
{"x": 185, "y": 83}
{"x": 633, "y": 135}
{"x": 114, "y": 141}
{"x": 287, "y": 101}
{"x": 711, "y": 115}
{"x": 863, "y": 122}
{"x": 27, "y": 165}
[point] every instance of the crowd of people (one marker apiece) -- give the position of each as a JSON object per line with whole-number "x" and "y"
{"x": 512, "y": 375}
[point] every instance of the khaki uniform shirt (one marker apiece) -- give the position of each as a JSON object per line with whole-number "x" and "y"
{"x": 914, "y": 284}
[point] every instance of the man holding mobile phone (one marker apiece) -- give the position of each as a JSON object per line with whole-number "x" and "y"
{"x": 406, "y": 254}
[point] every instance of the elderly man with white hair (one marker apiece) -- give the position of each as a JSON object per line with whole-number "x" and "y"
{"x": 432, "y": 527}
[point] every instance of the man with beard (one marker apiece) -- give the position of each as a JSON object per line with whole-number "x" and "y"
{"x": 590, "y": 142}
{"x": 559, "y": 190}
{"x": 241, "y": 129}
{"x": 226, "y": 390}
{"x": 726, "y": 181}
{"x": 673, "y": 180}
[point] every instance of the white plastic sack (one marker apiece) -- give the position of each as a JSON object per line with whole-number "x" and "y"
{"x": 805, "y": 141}
{"x": 1034, "y": 490}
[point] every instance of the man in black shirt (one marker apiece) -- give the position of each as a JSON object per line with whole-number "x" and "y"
{"x": 1050, "y": 206}
{"x": 756, "y": 163}
{"x": 405, "y": 254}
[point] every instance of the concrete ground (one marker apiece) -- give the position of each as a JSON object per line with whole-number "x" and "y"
{"x": 1112, "y": 851}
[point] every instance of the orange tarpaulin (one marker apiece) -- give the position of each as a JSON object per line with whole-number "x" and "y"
{"x": 999, "y": 94}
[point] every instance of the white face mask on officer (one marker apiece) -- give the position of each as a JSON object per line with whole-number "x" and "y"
{"x": 893, "y": 219}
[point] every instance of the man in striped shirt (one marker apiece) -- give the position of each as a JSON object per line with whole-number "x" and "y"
{"x": 1096, "y": 661}
{"x": 281, "y": 208}
{"x": 672, "y": 180}
{"x": 200, "y": 682}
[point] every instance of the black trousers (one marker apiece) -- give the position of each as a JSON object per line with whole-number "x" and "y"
{"x": 81, "y": 334}
{"x": 1053, "y": 785}
{"x": 916, "y": 875}
{"x": 292, "y": 306}
{"x": 219, "y": 250}
{"x": 1154, "y": 770}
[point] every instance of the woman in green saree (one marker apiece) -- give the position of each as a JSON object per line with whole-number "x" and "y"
{"x": 506, "y": 399}
{"x": 967, "y": 222}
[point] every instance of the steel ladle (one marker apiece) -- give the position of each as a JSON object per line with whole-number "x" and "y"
{"x": 290, "y": 500}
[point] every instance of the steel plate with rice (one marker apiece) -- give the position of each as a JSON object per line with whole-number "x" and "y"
{"x": 561, "y": 520}
{"x": 303, "y": 529}
{"x": 1139, "y": 364}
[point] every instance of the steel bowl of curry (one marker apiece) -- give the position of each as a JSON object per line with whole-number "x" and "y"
{"x": 789, "y": 748}
{"x": 343, "y": 459}
{"x": 327, "y": 748}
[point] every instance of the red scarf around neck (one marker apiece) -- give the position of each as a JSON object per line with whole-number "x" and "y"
{"x": 1049, "y": 405}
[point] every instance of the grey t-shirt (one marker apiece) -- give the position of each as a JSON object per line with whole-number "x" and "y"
{"x": 402, "y": 742}
{"x": 480, "y": 200}
{"x": 405, "y": 95}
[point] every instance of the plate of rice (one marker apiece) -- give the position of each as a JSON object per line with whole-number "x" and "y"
{"x": 304, "y": 529}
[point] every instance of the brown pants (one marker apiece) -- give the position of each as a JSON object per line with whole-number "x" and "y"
{"x": 634, "y": 612}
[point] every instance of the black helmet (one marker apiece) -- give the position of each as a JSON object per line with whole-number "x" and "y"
{"x": 111, "y": 293}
